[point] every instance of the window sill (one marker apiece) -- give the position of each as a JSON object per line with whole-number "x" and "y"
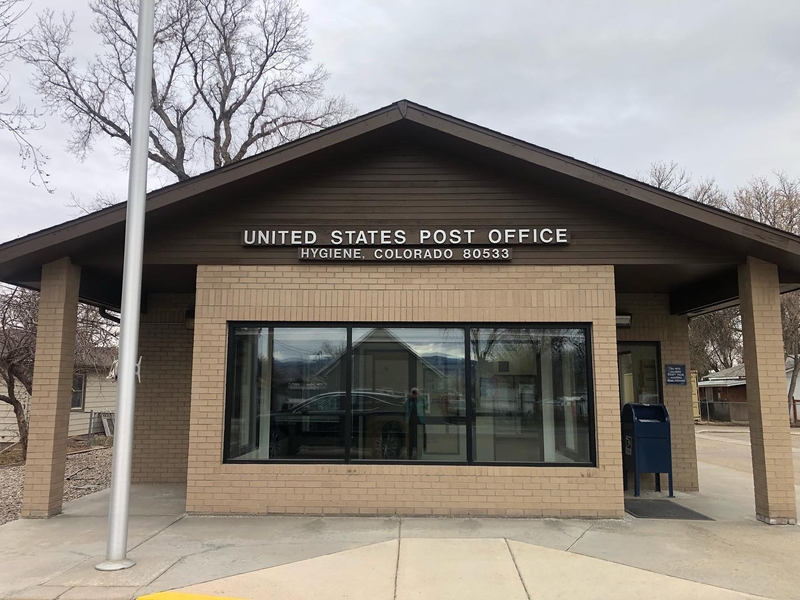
{"x": 410, "y": 463}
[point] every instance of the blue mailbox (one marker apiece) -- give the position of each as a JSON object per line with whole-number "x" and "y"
{"x": 646, "y": 443}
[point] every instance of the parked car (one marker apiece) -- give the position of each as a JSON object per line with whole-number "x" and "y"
{"x": 378, "y": 425}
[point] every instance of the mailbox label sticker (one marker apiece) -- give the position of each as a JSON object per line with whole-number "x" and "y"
{"x": 628, "y": 445}
{"x": 675, "y": 374}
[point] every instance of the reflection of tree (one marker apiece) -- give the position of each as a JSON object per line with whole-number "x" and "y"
{"x": 500, "y": 344}
{"x": 496, "y": 344}
{"x": 331, "y": 351}
{"x": 482, "y": 344}
{"x": 303, "y": 366}
{"x": 570, "y": 342}
{"x": 570, "y": 348}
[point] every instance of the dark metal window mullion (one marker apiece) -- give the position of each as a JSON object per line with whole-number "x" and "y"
{"x": 348, "y": 386}
{"x": 470, "y": 409}
{"x": 468, "y": 393}
{"x": 590, "y": 392}
{"x": 230, "y": 386}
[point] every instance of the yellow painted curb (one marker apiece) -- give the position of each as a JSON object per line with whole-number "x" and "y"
{"x": 182, "y": 596}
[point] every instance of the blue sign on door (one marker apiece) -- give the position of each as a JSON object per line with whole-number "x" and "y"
{"x": 675, "y": 374}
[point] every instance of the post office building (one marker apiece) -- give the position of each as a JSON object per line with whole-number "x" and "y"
{"x": 410, "y": 314}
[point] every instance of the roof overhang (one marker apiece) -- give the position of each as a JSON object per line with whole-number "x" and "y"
{"x": 726, "y": 383}
{"x": 21, "y": 259}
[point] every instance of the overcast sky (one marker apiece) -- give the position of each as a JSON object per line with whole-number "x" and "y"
{"x": 713, "y": 85}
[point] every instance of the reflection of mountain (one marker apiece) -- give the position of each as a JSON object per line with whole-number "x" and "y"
{"x": 382, "y": 361}
{"x": 444, "y": 362}
{"x": 299, "y": 362}
{"x": 441, "y": 362}
{"x": 296, "y": 369}
{"x": 383, "y": 340}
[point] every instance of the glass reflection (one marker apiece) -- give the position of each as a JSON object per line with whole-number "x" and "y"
{"x": 639, "y": 373}
{"x": 288, "y": 397}
{"x": 287, "y": 402}
{"x": 408, "y": 394}
{"x": 530, "y": 395}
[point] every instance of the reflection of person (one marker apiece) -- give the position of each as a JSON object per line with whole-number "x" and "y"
{"x": 415, "y": 414}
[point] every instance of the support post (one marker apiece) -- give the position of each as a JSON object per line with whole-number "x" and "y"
{"x": 90, "y": 434}
{"x": 53, "y": 368}
{"x": 771, "y": 447}
{"x": 117, "y": 543}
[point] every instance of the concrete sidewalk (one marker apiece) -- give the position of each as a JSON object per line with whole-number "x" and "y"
{"x": 343, "y": 557}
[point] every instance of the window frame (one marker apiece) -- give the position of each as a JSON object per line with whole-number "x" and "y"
{"x": 586, "y": 327}
{"x": 82, "y": 390}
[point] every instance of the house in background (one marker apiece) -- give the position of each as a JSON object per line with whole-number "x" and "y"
{"x": 92, "y": 390}
{"x": 723, "y": 395}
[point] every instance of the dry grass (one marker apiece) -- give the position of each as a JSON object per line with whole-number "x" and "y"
{"x": 11, "y": 454}
{"x": 86, "y": 472}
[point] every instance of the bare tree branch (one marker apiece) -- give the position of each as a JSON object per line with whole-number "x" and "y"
{"x": 715, "y": 338}
{"x": 20, "y": 122}
{"x": 707, "y": 191}
{"x": 230, "y": 78}
{"x": 99, "y": 202}
{"x": 776, "y": 204}
{"x": 669, "y": 176}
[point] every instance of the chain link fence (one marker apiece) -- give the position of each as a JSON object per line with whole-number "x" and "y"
{"x": 723, "y": 411}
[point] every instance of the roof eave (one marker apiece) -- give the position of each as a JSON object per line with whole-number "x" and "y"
{"x": 764, "y": 236}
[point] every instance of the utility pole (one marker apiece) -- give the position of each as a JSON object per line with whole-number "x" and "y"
{"x": 119, "y": 504}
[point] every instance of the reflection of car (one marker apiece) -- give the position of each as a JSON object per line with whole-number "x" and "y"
{"x": 452, "y": 405}
{"x": 378, "y": 424}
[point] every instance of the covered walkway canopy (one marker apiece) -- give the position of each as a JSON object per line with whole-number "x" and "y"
{"x": 406, "y": 165}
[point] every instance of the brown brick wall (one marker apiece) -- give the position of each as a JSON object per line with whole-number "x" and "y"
{"x": 52, "y": 389}
{"x": 163, "y": 398}
{"x": 773, "y": 473}
{"x": 651, "y": 322}
{"x": 491, "y": 293}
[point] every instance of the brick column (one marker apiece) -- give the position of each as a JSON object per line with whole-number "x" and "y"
{"x": 773, "y": 474}
{"x": 52, "y": 389}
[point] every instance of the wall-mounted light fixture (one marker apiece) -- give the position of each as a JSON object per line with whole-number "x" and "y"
{"x": 624, "y": 320}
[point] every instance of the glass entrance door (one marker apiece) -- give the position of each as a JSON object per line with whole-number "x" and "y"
{"x": 639, "y": 372}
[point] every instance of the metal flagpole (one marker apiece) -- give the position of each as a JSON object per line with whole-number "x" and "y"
{"x": 117, "y": 542}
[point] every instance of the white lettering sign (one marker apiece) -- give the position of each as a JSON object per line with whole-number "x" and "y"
{"x": 507, "y": 236}
{"x": 397, "y": 254}
{"x": 423, "y": 244}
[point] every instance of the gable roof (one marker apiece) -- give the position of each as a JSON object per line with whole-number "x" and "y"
{"x": 735, "y": 375}
{"x": 372, "y": 336}
{"x": 669, "y": 210}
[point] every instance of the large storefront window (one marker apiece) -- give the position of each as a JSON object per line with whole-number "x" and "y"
{"x": 409, "y": 396}
{"x": 285, "y": 401}
{"x": 531, "y": 395}
{"x": 409, "y": 393}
